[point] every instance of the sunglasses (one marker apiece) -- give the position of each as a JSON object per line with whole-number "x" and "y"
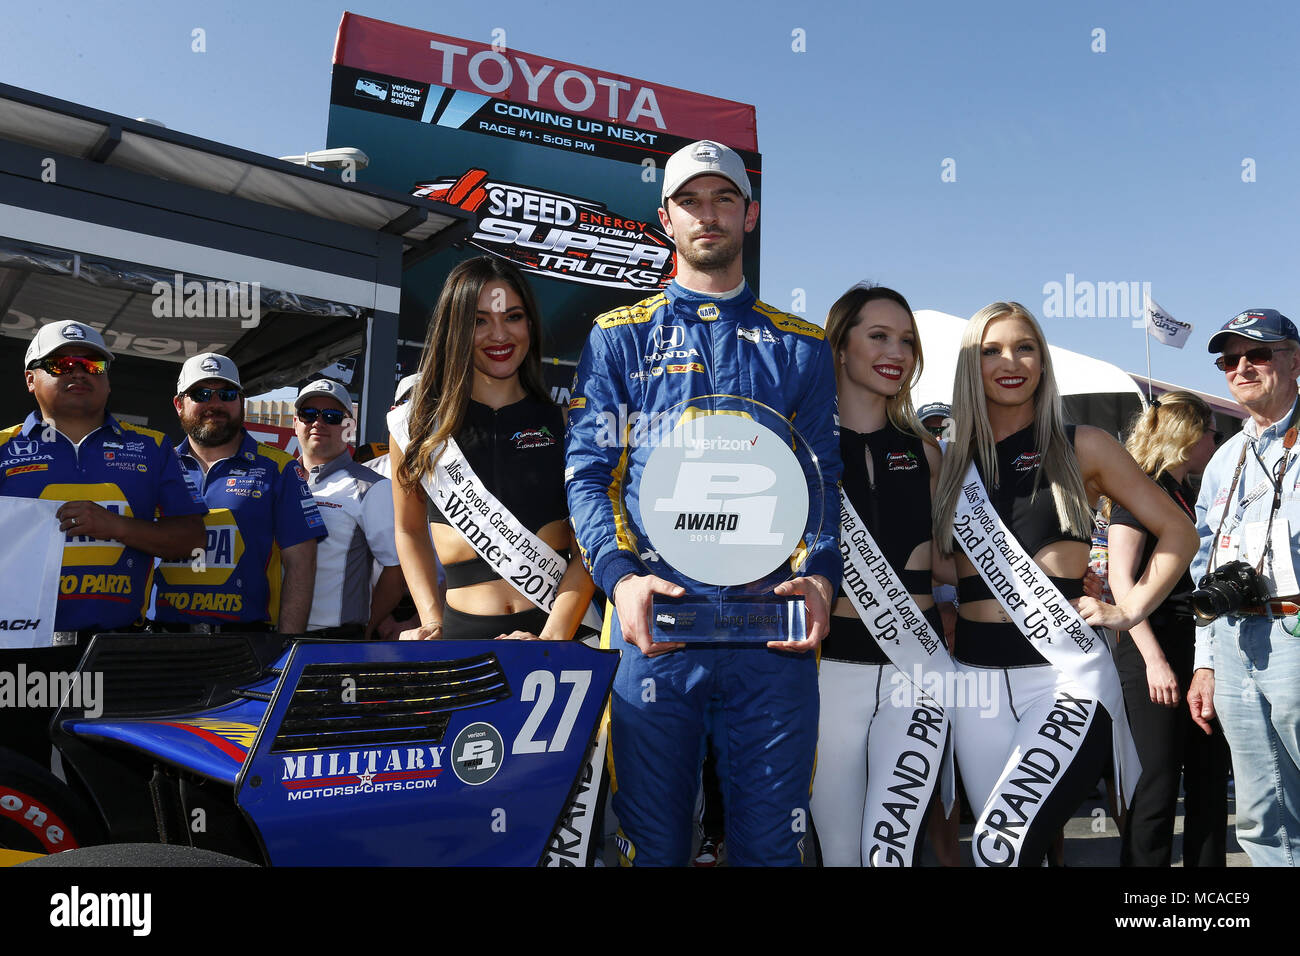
{"x": 1258, "y": 356}
{"x": 330, "y": 416}
{"x": 67, "y": 364}
{"x": 202, "y": 393}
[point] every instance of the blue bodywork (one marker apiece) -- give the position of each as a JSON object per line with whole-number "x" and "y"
{"x": 386, "y": 753}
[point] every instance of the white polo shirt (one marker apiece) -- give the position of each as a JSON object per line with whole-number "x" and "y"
{"x": 357, "y": 505}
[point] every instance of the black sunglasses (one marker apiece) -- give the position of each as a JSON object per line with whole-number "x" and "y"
{"x": 330, "y": 416}
{"x": 66, "y": 364}
{"x": 201, "y": 393}
{"x": 1256, "y": 356}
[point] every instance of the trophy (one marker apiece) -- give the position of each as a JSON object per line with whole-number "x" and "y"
{"x": 724, "y": 497}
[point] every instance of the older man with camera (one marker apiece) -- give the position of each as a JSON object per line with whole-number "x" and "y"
{"x": 1248, "y": 657}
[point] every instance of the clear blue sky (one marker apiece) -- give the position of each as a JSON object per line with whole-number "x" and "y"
{"x": 1122, "y": 166}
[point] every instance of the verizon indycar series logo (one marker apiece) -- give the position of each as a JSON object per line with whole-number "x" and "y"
{"x": 355, "y": 772}
{"x": 563, "y": 237}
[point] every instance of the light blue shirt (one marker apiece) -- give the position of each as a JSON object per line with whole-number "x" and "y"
{"x": 1251, "y": 502}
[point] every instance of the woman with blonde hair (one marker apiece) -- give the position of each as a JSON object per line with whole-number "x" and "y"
{"x": 1014, "y": 505}
{"x": 868, "y": 724}
{"x": 480, "y": 420}
{"x": 1171, "y": 440}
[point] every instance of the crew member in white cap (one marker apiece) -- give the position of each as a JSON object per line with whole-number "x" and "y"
{"x": 357, "y": 505}
{"x": 113, "y": 478}
{"x": 262, "y": 517}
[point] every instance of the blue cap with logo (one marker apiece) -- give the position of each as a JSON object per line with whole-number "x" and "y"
{"x": 1262, "y": 325}
{"x": 934, "y": 408}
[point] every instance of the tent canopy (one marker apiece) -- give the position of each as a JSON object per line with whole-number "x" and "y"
{"x": 1095, "y": 392}
{"x": 136, "y": 230}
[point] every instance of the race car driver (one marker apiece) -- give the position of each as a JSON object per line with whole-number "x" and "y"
{"x": 735, "y": 345}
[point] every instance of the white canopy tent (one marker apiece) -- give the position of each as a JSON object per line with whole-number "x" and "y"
{"x": 1095, "y": 392}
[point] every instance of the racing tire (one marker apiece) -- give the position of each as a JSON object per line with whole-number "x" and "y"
{"x": 39, "y": 813}
{"x": 138, "y": 854}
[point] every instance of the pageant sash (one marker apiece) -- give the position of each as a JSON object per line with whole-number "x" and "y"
{"x": 1048, "y": 621}
{"x": 900, "y": 629}
{"x": 530, "y": 565}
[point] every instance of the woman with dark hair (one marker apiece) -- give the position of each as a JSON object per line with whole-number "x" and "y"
{"x": 481, "y": 427}
{"x": 869, "y": 704}
{"x": 1014, "y": 505}
{"x": 1172, "y": 439}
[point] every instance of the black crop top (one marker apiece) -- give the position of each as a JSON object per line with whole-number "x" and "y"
{"x": 518, "y": 453}
{"x": 1031, "y": 518}
{"x": 1177, "y": 603}
{"x": 895, "y": 509}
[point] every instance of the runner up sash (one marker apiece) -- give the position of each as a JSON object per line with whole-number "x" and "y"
{"x": 530, "y": 565}
{"x": 1048, "y": 621}
{"x": 901, "y": 630}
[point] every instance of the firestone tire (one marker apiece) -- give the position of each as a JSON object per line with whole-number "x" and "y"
{"x": 40, "y": 813}
{"x": 152, "y": 855}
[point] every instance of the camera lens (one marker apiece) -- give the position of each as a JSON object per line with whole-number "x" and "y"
{"x": 1213, "y": 599}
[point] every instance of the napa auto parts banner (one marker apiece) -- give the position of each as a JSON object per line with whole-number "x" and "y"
{"x": 553, "y": 158}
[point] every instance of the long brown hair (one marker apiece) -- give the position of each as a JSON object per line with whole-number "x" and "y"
{"x": 441, "y": 396}
{"x": 844, "y": 317}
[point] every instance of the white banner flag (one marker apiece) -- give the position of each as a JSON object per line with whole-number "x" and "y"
{"x": 1163, "y": 327}
{"x": 29, "y": 566}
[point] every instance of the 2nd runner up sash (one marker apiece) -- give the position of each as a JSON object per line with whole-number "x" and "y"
{"x": 530, "y": 565}
{"x": 1048, "y": 621}
{"x": 899, "y": 628}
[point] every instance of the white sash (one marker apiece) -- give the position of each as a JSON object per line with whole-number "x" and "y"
{"x": 899, "y": 628}
{"x": 1048, "y": 621}
{"x": 530, "y": 565}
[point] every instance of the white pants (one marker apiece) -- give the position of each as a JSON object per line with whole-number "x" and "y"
{"x": 879, "y": 756}
{"x": 1028, "y": 756}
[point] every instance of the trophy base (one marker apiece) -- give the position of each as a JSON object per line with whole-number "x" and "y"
{"x": 749, "y": 619}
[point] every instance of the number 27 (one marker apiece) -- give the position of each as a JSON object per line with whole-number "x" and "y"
{"x": 539, "y": 686}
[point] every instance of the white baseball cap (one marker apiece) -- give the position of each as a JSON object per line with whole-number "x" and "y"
{"x": 705, "y": 158}
{"x": 328, "y": 388}
{"x": 50, "y": 338}
{"x": 404, "y": 387}
{"x": 207, "y": 365}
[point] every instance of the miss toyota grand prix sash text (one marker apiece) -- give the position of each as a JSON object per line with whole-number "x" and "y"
{"x": 901, "y": 630}
{"x": 530, "y": 565}
{"x": 1048, "y": 621}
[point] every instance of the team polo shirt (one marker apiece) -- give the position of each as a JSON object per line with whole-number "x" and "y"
{"x": 357, "y": 505}
{"x": 125, "y": 468}
{"x": 258, "y": 504}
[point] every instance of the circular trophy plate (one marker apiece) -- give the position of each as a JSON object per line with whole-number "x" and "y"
{"x": 724, "y": 496}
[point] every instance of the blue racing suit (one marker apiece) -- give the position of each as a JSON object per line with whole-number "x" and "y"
{"x": 639, "y": 361}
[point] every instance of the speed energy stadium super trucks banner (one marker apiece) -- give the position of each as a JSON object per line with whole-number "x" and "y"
{"x": 563, "y": 164}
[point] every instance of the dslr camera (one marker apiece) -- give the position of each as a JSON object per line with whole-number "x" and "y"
{"x": 1225, "y": 589}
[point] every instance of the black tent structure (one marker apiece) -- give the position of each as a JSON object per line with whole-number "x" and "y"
{"x": 172, "y": 245}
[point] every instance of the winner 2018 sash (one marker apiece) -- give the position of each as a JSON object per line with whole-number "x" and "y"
{"x": 530, "y": 565}
{"x": 899, "y": 628}
{"x": 1048, "y": 621}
